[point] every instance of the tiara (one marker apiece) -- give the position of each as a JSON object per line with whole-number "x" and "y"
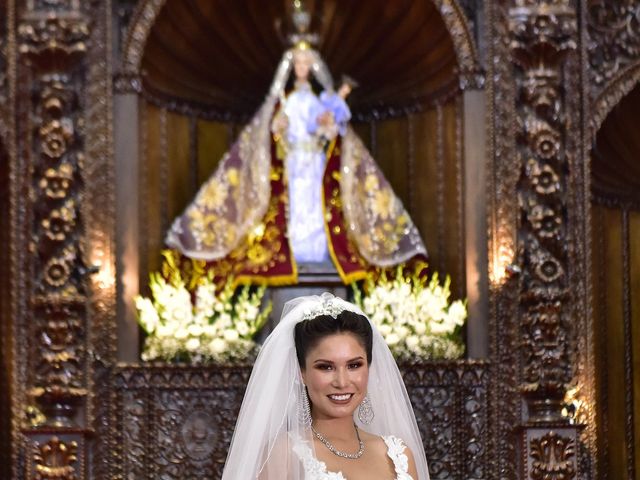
{"x": 330, "y": 305}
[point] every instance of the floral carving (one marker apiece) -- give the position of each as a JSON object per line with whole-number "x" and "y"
{"x": 57, "y": 272}
{"x": 553, "y": 457}
{"x": 543, "y": 178}
{"x": 55, "y": 460}
{"x": 55, "y": 137}
{"x": 53, "y": 37}
{"x": 545, "y": 221}
{"x": 60, "y": 222}
{"x": 55, "y": 182}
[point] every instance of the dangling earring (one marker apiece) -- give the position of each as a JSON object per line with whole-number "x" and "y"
{"x": 365, "y": 411}
{"x": 304, "y": 410}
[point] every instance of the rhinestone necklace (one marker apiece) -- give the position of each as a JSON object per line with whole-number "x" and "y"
{"x": 335, "y": 451}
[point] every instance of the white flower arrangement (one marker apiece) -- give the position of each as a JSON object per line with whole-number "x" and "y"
{"x": 209, "y": 324}
{"x": 415, "y": 316}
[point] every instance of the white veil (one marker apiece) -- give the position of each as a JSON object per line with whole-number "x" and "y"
{"x": 269, "y": 422}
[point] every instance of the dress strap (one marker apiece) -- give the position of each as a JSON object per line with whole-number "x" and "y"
{"x": 396, "y": 452}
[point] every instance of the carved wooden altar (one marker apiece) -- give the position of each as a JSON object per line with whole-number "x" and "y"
{"x": 550, "y": 73}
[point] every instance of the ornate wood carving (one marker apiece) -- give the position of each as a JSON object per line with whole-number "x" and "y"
{"x": 551, "y": 455}
{"x": 177, "y": 422}
{"x": 53, "y": 49}
{"x": 542, "y": 37}
{"x": 613, "y": 53}
{"x": 55, "y": 460}
{"x": 614, "y": 38}
{"x": 502, "y": 204}
{"x": 471, "y": 74}
{"x": 4, "y": 77}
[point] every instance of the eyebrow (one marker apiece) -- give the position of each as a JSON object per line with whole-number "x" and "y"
{"x": 319, "y": 360}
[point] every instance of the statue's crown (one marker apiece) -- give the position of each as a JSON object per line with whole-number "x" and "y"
{"x": 302, "y": 39}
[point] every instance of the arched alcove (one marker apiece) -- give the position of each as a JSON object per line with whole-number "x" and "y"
{"x": 206, "y": 66}
{"x": 616, "y": 280}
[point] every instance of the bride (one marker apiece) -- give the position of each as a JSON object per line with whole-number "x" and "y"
{"x": 325, "y": 401}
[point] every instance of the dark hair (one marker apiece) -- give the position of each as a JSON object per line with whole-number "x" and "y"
{"x": 316, "y": 86}
{"x": 308, "y": 333}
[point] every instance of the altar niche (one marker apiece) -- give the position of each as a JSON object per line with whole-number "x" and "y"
{"x": 615, "y": 210}
{"x": 410, "y": 110}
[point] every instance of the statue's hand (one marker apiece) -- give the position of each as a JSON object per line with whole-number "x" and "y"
{"x": 279, "y": 124}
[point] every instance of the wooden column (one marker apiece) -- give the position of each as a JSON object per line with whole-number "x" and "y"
{"x": 543, "y": 35}
{"x": 52, "y": 44}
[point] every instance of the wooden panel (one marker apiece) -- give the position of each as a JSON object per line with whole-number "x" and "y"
{"x": 453, "y": 254}
{"x": 178, "y": 155}
{"x": 425, "y": 195}
{"x": 612, "y": 230}
{"x": 213, "y": 142}
{"x": 392, "y": 154}
{"x": 364, "y": 132}
{"x": 598, "y": 276}
{"x": 152, "y": 234}
{"x": 634, "y": 288}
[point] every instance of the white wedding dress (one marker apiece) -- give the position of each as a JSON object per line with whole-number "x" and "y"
{"x": 315, "y": 469}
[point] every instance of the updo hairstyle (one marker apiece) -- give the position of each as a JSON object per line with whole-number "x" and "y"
{"x": 308, "y": 333}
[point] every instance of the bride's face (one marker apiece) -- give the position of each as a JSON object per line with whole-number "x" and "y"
{"x": 301, "y": 64}
{"x": 336, "y": 375}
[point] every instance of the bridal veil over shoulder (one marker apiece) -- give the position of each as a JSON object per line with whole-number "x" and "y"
{"x": 270, "y": 426}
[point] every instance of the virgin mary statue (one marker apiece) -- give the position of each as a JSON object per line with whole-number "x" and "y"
{"x": 297, "y": 186}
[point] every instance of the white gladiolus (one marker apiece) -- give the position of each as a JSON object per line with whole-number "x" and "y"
{"x": 439, "y": 328}
{"x": 181, "y": 333}
{"x": 412, "y": 342}
{"x": 166, "y": 330}
{"x": 217, "y": 345}
{"x": 231, "y": 335}
{"x": 420, "y": 328}
{"x": 192, "y": 344}
{"x": 195, "y": 330}
{"x": 414, "y": 316}
{"x": 392, "y": 339}
{"x": 208, "y": 323}
{"x": 458, "y": 312}
{"x": 210, "y": 330}
{"x": 148, "y": 314}
{"x": 242, "y": 327}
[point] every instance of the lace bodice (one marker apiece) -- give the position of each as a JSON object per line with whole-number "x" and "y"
{"x": 317, "y": 470}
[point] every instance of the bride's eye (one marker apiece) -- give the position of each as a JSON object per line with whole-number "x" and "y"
{"x": 355, "y": 365}
{"x": 323, "y": 366}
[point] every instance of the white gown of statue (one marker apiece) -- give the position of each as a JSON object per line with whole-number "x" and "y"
{"x": 305, "y": 164}
{"x": 315, "y": 469}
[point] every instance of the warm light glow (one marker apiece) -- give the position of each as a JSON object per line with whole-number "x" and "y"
{"x": 501, "y": 266}
{"x": 574, "y": 405}
{"x": 104, "y": 278}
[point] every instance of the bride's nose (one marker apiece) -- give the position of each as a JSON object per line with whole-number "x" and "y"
{"x": 340, "y": 378}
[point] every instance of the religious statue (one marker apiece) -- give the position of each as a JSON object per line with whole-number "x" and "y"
{"x": 298, "y": 186}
